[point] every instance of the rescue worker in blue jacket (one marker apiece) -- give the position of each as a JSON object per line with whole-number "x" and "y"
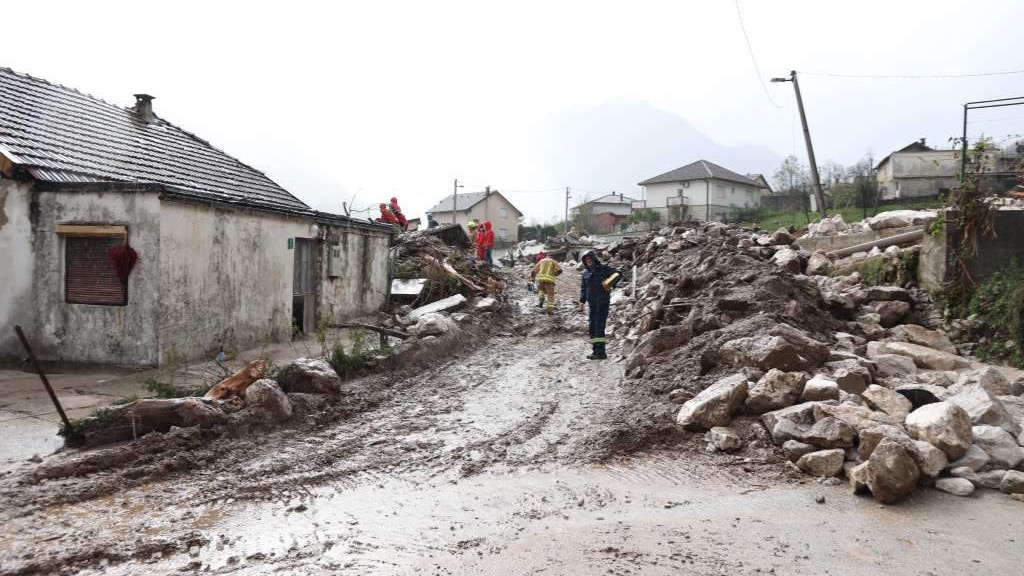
{"x": 595, "y": 290}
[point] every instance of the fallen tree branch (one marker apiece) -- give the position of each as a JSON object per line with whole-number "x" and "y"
{"x": 380, "y": 329}
{"x": 448, "y": 268}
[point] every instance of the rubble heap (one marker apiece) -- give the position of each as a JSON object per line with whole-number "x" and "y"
{"x": 841, "y": 375}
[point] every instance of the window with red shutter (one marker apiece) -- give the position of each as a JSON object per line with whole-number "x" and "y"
{"x": 89, "y": 274}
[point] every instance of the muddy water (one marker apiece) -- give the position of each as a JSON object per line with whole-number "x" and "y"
{"x": 488, "y": 464}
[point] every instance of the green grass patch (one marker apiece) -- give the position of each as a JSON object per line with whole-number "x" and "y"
{"x": 995, "y": 311}
{"x": 176, "y": 390}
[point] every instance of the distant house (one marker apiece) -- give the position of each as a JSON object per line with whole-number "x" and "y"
{"x": 917, "y": 170}
{"x": 703, "y": 190}
{"x": 224, "y": 257}
{"x": 607, "y": 213}
{"x": 760, "y": 179}
{"x": 480, "y": 206}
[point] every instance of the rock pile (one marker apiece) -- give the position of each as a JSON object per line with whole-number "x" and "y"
{"x": 722, "y": 320}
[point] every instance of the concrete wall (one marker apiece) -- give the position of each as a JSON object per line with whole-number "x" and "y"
{"x": 78, "y": 332}
{"x": 938, "y": 254}
{"x": 362, "y": 286}
{"x": 16, "y": 299}
{"x": 916, "y": 174}
{"x": 839, "y": 241}
{"x": 226, "y": 279}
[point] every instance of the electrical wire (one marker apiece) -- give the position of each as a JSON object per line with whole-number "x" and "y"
{"x": 750, "y": 49}
{"x": 911, "y": 76}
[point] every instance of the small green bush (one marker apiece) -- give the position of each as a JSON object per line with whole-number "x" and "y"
{"x": 996, "y": 308}
{"x": 173, "y": 390}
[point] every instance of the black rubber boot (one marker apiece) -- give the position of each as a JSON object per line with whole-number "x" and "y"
{"x": 599, "y": 353}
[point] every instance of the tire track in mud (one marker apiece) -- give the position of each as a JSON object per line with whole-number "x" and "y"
{"x": 517, "y": 402}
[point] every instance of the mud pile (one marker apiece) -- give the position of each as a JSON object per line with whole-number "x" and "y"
{"x": 836, "y": 373}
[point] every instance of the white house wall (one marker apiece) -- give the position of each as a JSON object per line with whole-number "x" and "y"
{"x": 725, "y": 197}
{"x": 63, "y": 331}
{"x": 226, "y": 279}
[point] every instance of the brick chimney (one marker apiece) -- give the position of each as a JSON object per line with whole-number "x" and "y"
{"x": 144, "y": 108}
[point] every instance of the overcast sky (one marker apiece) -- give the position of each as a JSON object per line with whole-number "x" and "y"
{"x": 373, "y": 99}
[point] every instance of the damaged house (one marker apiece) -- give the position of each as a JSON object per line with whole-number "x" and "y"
{"x": 130, "y": 241}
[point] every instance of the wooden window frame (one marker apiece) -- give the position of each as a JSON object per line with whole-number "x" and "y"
{"x": 89, "y": 231}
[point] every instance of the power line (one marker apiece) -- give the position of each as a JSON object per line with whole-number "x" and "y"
{"x": 912, "y": 76}
{"x": 750, "y": 49}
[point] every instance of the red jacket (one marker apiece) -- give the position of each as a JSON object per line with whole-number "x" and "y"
{"x": 387, "y": 216}
{"x": 487, "y": 239}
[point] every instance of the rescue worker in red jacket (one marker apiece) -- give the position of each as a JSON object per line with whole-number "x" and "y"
{"x": 399, "y": 217}
{"x": 545, "y": 272}
{"x": 386, "y": 216}
{"x": 487, "y": 242}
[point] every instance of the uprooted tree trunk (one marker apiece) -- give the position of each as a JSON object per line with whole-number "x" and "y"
{"x": 132, "y": 420}
{"x": 234, "y": 386}
{"x": 119, "y": 423}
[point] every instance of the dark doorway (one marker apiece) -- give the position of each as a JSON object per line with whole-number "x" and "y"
{"x": 303, "y": 286}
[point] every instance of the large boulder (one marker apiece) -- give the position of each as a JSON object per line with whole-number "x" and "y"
{"x": 920, "y": 335}
{"x": 819, "y": 264}
{"x": 891, "y": 473}
{"x": 859, "y": 417}
{"x": 923, "y": 356}
{"x": 871, "y": 437}
{"x": 891, "y": 312}
{"x": 984, "y": 409}
{"x": 1013, "y": 483}
{"x": 775, "y": 390}
{"x": 433, "y": 324}
{"x": 828, "y": 432}
{"x": 770, "y": 351}
{"x": 890, "y": 365}
{"x": 723, "y": 439}
{"x": 929, "y": 459}
{"x": 988, "y": 378}
{"x": 266, "y": 395}
{"x": 787, "y": 423}
{"x": 1000, "y": 445}
{"x": 788, "y": 259}
{"x": 975, "y": 458}
{"x": 955, "y": 486}
{"x": 943, "y": 425}
{"x": 715, "y": 405}
{"x": 311, "y": 376}
{"x": 794, "y": 449}
{"x": 822, "y": 463}
{"x": 889, "y": 401}
{"x": 655, "y": 342}
{"x": 899, "y": 219}
{"x": 820, "y": 388}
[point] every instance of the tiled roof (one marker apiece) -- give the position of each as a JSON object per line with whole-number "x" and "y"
{"x": 699, "y": 170}
{"x": 612, "y": 199}
{"x": 61, "y": 135}
{"x": 463, "y": 202}
{"x": 466, "y": 201}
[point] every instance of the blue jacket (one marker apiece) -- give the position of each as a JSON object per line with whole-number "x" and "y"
{"x": 591, "y": 289}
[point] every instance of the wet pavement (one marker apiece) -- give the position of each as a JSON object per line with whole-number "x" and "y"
{"x": 504, "y": 459}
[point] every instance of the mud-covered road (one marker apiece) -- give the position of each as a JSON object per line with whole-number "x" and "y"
{"x": 512, "y": 458}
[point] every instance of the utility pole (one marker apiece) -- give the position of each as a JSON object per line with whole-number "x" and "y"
{"x": 566, "y": 209}
{"x": 818, "y": 194}
{"x": 455, "y": 197}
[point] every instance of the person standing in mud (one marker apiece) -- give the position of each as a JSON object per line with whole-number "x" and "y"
{"x": 545, "y": 272}
{"x": 595, "y": 290}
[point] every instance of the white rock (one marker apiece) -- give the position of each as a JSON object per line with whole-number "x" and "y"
{"x": 984, "y": 408}
{"x": 955, "y": 486}
{"x": 895, "y": 365}
{"x": 889, "y": 401}
{"x": 310, "y": 376}
{"x": 924, "y": 357}
{"x": 723, "y": 439}
{"x": 266, "y": 394}
{"x": 823, "y": 462}
{"x": 930, "y": 460}
{"x": 820, "y": 388}
{"x": 975, "y": 458}
{"x": 448, "y": 303}
{"x": 943, "y": 425}
{"x": 1000, "y": 445}
{"x": 486, "y": 305}
{"x": 433, "y": 325}
{"x": 715, "y": 405}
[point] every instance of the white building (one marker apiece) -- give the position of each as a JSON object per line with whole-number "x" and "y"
{"x": 481, "y": 206}
{"x": 702, "y": 190}
{"x": 917, "y": 170}
{"x": 607, "y": 213}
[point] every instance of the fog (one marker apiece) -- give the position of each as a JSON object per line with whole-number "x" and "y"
{"x": 360, "y": 101}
